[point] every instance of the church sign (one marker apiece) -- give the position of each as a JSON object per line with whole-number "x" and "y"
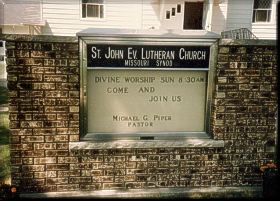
{"x": 134, "y": 90}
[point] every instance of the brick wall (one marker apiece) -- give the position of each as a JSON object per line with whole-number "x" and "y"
{"x": 43, "y": 76}
{"x": 245, "y": 108}
{"x": 43, "y": 80}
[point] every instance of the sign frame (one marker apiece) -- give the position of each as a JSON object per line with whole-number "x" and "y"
{"x": 85, "y": 41}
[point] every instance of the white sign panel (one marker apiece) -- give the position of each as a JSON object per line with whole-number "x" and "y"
{"x": 146, "y": 101}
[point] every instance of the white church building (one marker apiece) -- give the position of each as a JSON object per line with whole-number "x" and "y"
{"x": 230, "y": 18}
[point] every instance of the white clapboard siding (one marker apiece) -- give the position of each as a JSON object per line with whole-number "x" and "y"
{"x": 239, "y": 14}
{"x": 64, "y": 17}
{"x": 265, "y": 31}
{"x": 219, "y": 16}
{"x": 151, "y": 13}
{"x": 18, "y": 12}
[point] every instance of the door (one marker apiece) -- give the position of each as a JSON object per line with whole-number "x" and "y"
{"x": 193, "y": 15}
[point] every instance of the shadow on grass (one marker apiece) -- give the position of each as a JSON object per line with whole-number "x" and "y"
{"x": 4, "y": 95}
{"x": 4, "y": 135}
{"x": 5, "y": 164}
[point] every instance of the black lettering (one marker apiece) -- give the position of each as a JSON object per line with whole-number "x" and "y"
{"x": 146, "y": 90}
{"x": 117, "y": 90}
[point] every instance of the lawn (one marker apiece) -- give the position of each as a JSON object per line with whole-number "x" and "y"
{"x": 4, "y": 136}
{"x": 4, "y": 131}
{"x": 5, "y": 169}
{"x": 4, "y": 148}
{"x": 3, "y": 95}
{"x": 4, "y": 116}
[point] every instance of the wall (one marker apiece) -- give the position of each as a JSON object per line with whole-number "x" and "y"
{"x": 175, "y": 22}
{"x": 151, "y": 14}
{"x": 219, "y": 16}
{"x": 43, "y": 81}
{"x": 21, "y": 16}
{"x": 64, "y": 17}
{"x": 239, "y": 16}
{"x": 226, "y": 15}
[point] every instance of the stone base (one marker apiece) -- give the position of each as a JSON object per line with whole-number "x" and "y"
{"x": 210, "y": 192}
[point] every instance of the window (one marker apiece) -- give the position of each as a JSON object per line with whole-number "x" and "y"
{"x": 178, "y": 8}
{"x": 173, "y": 11}
{"x": 262, "y": 10}
{"x": 167, "y": 15}
{"x": 92, "y": 8}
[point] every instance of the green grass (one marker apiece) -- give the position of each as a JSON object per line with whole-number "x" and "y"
{"x": 5, "y": 167}
{"x": 4, "y": 136}
{"x": 4, "y": 128}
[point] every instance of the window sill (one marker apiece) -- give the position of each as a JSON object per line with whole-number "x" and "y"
{"x": 122, "y": 144}
{"x": 263, "y": 23}
{"x": 93, "y": 19}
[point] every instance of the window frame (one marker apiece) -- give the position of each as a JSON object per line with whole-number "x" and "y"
{"x": 269, "y": 11}
{"x": 91, "y": 18}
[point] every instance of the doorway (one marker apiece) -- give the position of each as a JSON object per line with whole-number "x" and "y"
{"x": 193, "y": 15}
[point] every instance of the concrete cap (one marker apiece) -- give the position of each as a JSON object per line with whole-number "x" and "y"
{"x": 148, "y": 33}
